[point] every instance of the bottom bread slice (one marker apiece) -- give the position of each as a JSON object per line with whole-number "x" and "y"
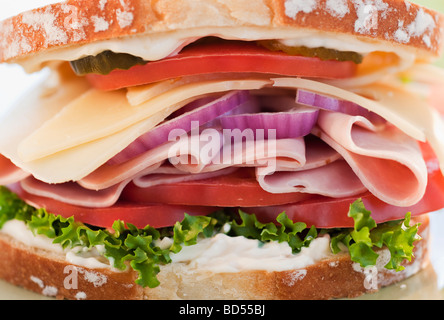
{"x": 49, "y": 273}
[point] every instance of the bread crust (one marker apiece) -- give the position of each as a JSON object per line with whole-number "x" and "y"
{"x": 49, "y": 274}
{"x": 77, "y": 22}
{"x": 46, "y": 273}
{"x": 337, "y": 277}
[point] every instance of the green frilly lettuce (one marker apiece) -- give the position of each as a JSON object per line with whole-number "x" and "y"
{"x": 128, "y": 246}
{"x": 397, "y": 236}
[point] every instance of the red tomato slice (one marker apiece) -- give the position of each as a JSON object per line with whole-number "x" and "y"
{"x": 319, "y": 211}
{"x": 140, "y": 215}
{"x": 234, "y": 190}
{"x": 224, "y": 57}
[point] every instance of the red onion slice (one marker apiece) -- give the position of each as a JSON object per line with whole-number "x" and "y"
{"x": 203, "y": 114}
{"x": 316, "y": 100}
{"x": 192, "y": 106}
{"x": 295, "y": 123}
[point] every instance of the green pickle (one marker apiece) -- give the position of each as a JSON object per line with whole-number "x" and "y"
{"x": 321, "y": 53}
{"x": 105, "y": 62}
{"x": 108, "y": 61}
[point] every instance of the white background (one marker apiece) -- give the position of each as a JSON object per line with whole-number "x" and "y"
{"x": 13, "y": 81}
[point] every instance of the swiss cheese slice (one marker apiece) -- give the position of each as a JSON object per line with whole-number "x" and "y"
{"x": 98, "y": 114}
{"x": 36, "y": 107}
{"x": 139, "y": 94}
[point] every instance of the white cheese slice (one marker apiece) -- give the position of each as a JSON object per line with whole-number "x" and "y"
{"x": 407, "y": 111}
{"x": 139, "y": 94}
{"x": 77, "y": 162}
{"x": 37, "y": 106}
{"x": 98, "y": 114}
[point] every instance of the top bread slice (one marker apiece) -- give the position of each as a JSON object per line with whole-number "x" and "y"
{"x": 78, "y": 22}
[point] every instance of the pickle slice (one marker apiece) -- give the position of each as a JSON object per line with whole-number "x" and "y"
{"x": 321, "y": 53}
{"x": 108, "y": 61}
{"x": 105, "y": 62}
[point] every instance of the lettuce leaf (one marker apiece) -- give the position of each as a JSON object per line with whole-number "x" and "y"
{"x": 397, "y": 236}
{"x": 128, "y": 246}
{"x": 295, "y": 234}
{"x": 12, "y": 207}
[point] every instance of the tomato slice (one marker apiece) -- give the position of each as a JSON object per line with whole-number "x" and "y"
{"x": 237, "y": 189}
{"x": 140, "y": 215}
{"x": 223, "y": 57}
{"x": 319, "y": 211}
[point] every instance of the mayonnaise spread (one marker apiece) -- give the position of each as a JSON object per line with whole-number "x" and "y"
{"x": 218, "y": 254}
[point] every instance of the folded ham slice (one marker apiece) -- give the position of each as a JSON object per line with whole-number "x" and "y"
{"x": 197, "y": 157}
{"x": 170, "y": 174}
{"x": 188, "y": 153}
{"x": 323, "y": 173}
{"x": 73, "y": 193}
{"x": 9, "y": 172}
{"x": 278, "y": 155}
{"x": 388, "y": 162}
{"x": 334, "y": 180}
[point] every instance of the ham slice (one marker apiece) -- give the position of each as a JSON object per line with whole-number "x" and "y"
{"x": 323, "y": 173}
{"x": 10, "y": 173}
{"x": 192, "y": 154}
{"x": 170, "y": 174}
{"x": 275, "y": 155}
{"x": 388, "y": 162}
{"x": 334, "y": 180}
{"x": 197, "y": 155}
{"x": 107, "y": 176}
{"x": 73, "y": 193}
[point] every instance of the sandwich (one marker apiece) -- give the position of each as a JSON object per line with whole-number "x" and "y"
{"x": 203, "y": 149}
